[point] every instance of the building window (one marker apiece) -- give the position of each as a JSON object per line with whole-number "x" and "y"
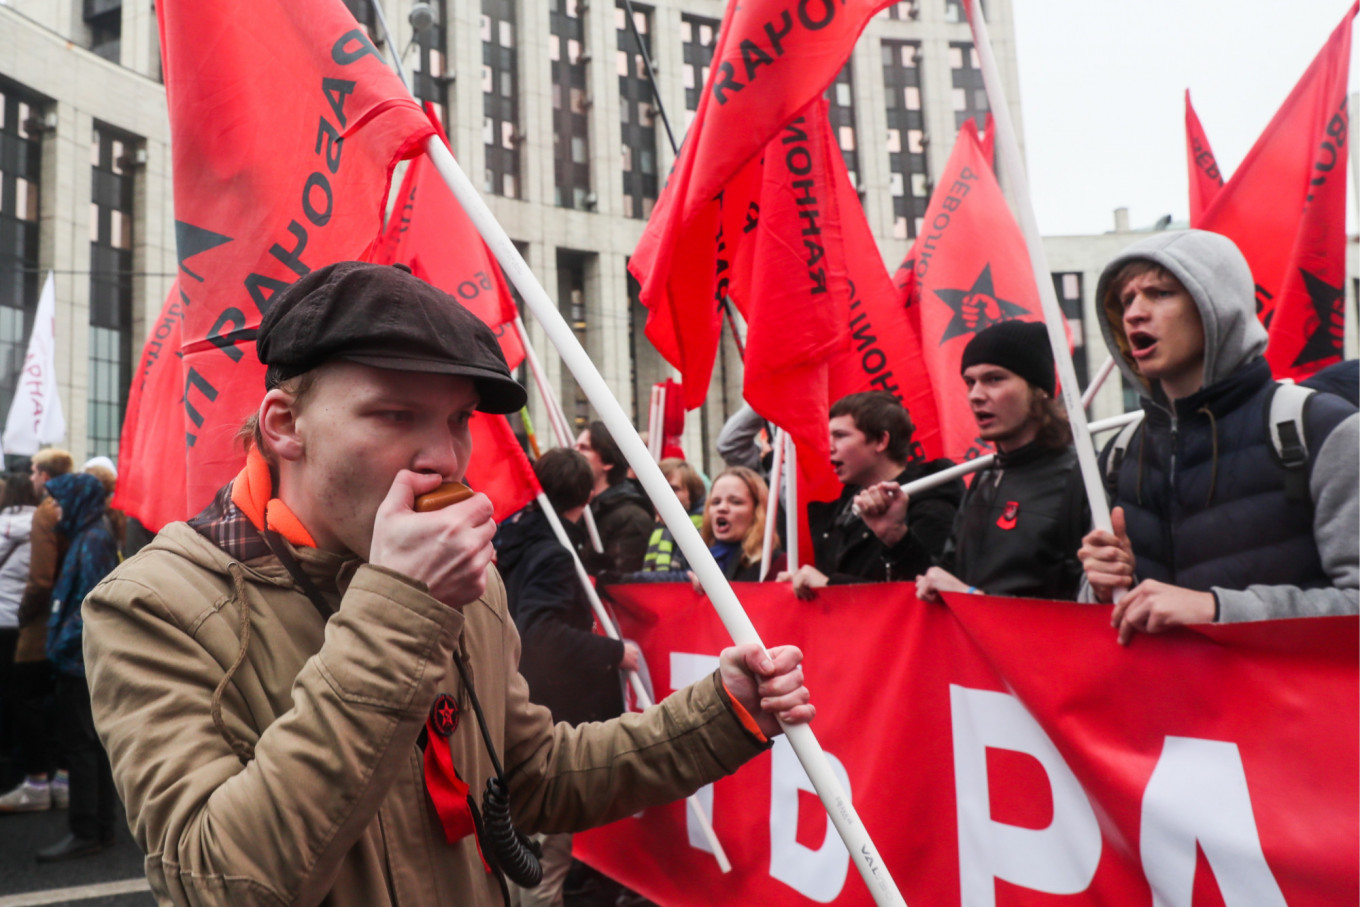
{"x": 699, "y": 36}
{"x": 908, "y": 177}
{"x": 571, "y": 106}
{"x": 841, "y": 98}
{"x": 571, "y": 302}
{"x": 362, "y": 11}
{"x": 904, "y": 11}
{"x": 954, "y": 11}
{"x": 500, "y": 97}
{"x": 111, "y": 160}
{"x": 104, "y": 19}
{"x": 1068, "y": 287}
{"x": 637, "y": 111}
{"x": 20, "y": 171}
{"x": 429, "y": 77}
{"x": 969, "y": 95}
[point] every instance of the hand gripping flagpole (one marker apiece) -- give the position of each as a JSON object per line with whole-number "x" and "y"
{"x": 841, "y": 811}
{"x": 644, "y": 698}
{"x": 1013, "y": 170}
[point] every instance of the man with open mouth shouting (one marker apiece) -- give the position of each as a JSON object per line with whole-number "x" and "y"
{"x": 1236, "y": 497}
{"x": 1022, "y": 519}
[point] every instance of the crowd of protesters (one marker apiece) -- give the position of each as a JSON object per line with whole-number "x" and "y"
{"x": 58, "y": 539}
{"x": 1234, "y": 498}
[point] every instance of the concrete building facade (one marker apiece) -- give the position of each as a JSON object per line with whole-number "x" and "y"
{"x": 548, "y": 107}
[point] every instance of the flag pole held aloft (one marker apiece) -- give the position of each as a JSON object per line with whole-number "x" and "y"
{"x": 1008, "y": 157}
{"x": 834, "y": 798}
{"x": 644, "y": 698}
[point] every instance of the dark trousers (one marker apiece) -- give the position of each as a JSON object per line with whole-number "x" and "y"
{"x": 34, "y": 716}
{"x": 9, "y": 737}
{"x": 94, "y": 803}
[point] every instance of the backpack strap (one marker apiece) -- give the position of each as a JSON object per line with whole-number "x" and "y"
{"x": 1289, "y": 437}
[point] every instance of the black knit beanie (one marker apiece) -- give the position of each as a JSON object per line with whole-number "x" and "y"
{"x": 1021, "y": 346}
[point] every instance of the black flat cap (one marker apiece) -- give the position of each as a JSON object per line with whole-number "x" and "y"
{"x": 383, "y": 316}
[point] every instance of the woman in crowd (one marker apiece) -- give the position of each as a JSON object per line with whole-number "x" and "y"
{"x": 663, "y": 555}
{"x": 734, "y": 528}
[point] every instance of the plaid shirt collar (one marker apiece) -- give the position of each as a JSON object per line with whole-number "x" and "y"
{"x": 227, "y": 527}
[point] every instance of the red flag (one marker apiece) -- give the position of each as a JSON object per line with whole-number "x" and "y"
{"x": 673, "y": 420}
{"x": 884, "y": 349}
{"x": 971, "y": 270}
{"x": 796, "y": 288}
{"x": 1205, "y": 177}
{"x": 151, "y": 477}
{"x": 1028, "y": 759}
{"x": 285, "y": 124}
{"x": 1285, "y": 207}
{"x": 498, "y": 468}
{"x": 439, "y": 243}
{"x": 773, "y": 58}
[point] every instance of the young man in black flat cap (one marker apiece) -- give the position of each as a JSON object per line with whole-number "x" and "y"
{"x": 305, "y": 690}
{"x": 1021, "y": 522}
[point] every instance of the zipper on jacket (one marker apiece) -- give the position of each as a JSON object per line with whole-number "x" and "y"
{"x": 1174, "y": 502}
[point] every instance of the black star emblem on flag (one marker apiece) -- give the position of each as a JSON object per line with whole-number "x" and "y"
{"x": 977, "y": 307}
{"x": 1324, "y": 335}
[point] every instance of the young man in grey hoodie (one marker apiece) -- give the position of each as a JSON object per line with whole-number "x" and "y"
{"x": 1209, "y": 524}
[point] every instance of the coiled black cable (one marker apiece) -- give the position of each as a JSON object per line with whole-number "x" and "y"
{"x": 515, "y": 854}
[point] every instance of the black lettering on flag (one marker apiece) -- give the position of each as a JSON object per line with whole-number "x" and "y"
{"x": 753, "y": 58}
{"x": 226, "y": 340}
{"x": 194, "y": 380}
{"x": 327, "y": 134}
{"x": 352, "y": 47}
{"x": 293, "y": 258}
{"x": 258, "y": 284}
{"x": 336, "y": 91}
{"x": 317, "y": 181}
{"x": 827, "y": 13}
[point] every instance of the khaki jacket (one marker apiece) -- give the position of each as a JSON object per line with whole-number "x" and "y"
{"x": 328, "y": 804}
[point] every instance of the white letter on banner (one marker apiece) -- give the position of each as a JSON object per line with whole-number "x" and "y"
{"x": 687, "y": 668}
{"x": 1059, "y": 859}
{"x": 1198, "y": 793}
{"x": 816, "y": 874}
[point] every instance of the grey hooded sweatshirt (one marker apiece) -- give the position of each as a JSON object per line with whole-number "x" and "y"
{"x": 1202, "y": 493}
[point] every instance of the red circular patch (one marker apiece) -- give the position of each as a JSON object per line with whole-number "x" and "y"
{"x": 444, "y": 714}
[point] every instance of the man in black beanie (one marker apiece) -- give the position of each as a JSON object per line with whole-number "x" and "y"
{"x": 1021, "y": 522}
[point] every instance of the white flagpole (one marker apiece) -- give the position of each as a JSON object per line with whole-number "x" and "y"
{"x": 841, "y": 811}
{"x": 772, "y": 504}
{"x": 1013, "y": 170}
{"x": 791, "y": 502}
{"x": 655, "y": 421}
{"x": 639, "y": 690}
{"x": 556, "y": 418}
{"x": 1096, "y": 383}
{"x": 979, "y": 463}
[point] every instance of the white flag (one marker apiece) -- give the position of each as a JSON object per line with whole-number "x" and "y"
{"x": 35, "y": 416}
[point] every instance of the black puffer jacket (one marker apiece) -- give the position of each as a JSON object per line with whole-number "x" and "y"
{"x": 847, "y": 551}
{"x": 1021, "y": 524}
{"x": 570, "y": 669}
{"x": 624, "y": 520}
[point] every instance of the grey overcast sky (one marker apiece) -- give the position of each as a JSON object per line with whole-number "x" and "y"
{"x": 1102, "y": 91}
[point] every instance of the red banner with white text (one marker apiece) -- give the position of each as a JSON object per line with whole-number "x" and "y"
{"x": 1001, "y": 752}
